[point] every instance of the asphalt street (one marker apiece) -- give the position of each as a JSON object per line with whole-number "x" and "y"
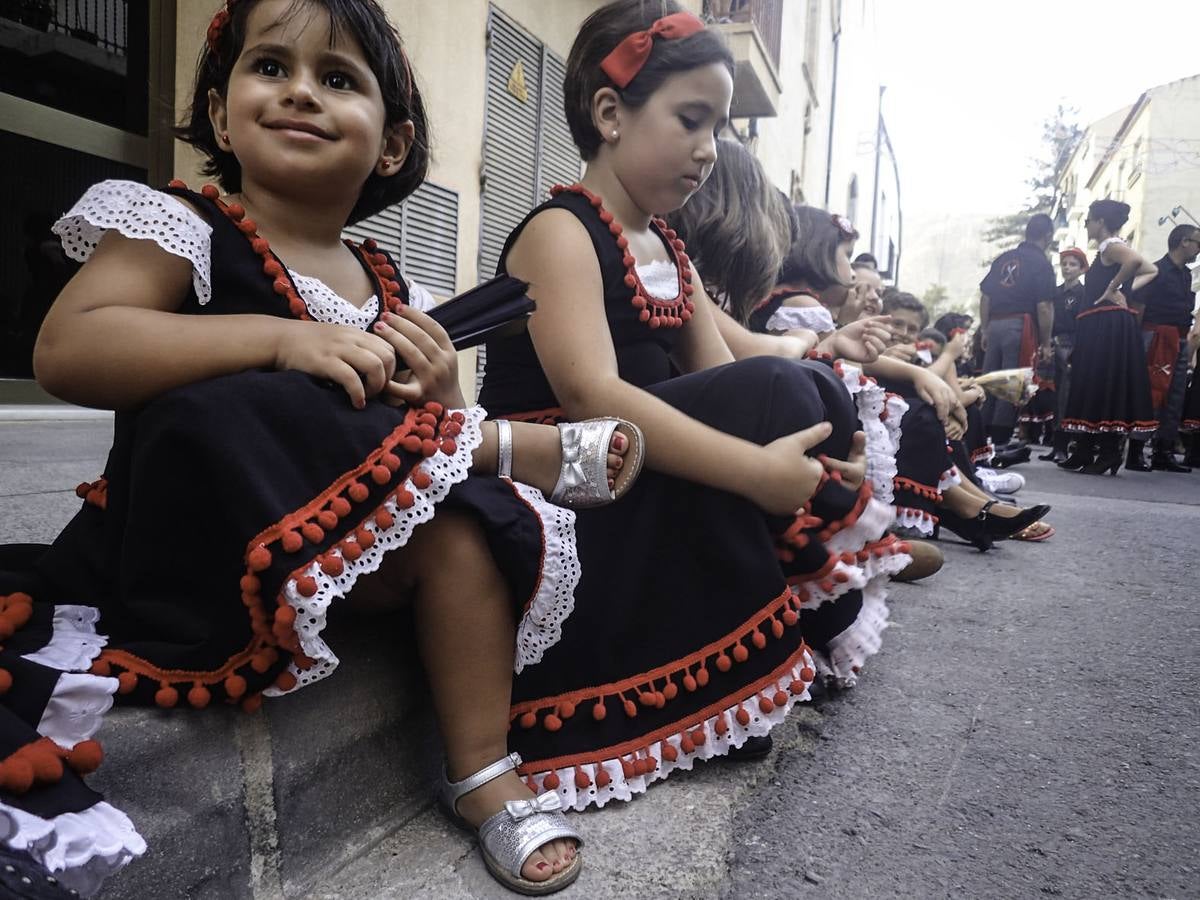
{"x": 1028, "y": 730}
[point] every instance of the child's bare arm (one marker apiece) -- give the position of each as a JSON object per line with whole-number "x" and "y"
{"x": 115, "y": 340}
{"x": 570, "y": 333}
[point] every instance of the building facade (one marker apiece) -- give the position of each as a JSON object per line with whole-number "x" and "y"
{"x": 1146, "y": 155}
{"x": 91, "y": 88}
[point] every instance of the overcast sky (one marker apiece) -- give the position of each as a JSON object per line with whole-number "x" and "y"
{"x": 969, "y": 84}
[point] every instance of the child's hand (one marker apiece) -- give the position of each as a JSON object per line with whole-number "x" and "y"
{"x": 860, "y": 341}
{"x": 936, "y": 393}
{"x": 854, "y": 468}
{"x": 789, "y": 476}
{"x": 361, "y": 363}
{"x": 429, "y": 367}
{"x": 903, "y": 352}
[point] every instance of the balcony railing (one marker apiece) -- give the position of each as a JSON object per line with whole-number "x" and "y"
{"x": 102, "y": 23}
{"x": 765, "y": 15}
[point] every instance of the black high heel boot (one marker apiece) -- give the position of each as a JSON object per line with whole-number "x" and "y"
{"x": 1108, "y": 460}
{"x": 973, "y": 531}
{"x": 1135, "y": 460}
{"x": 1084, "y": 454}
{"x": 1058, "y": 448}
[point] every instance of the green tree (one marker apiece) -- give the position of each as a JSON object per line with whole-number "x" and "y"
{"x": 1060, "y": 134}
{"x": 938, "y": 301}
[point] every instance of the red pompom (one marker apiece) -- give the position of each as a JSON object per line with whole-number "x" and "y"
{"x": 85, "y": 757}
{"x": 528, "y": 720}
{"x": 699, "y": 737}
{"x": 47, "y": 765}
{"x": 551, "y": 782}
{"x": 332, "y": 565}
{"x": 380, "y": 474}
{"x": 358, "y": 492}
{"x": 258, "y": 559}
{"x": 740, "y": 653}
{"x": 16, "y": 775}
{"x": 6, "y": 681}
{"x": 260, "y": 662}
{"x": 384, "y": 519}
{"x": 582, "y": 782}
{"x": 630, "y": 709}
{"x": 742, "y": 716}
{"x": 199, "y": 696}
{"x": 603, "y": 779}
{"x": 421, "y": 479}
{"x": 670, "y": 691}
{"x": 689, "y": 683}
{"x": 552, "y": 722}
{"x": 210, "y": 191}
{"x": 166, "y": 696}
{"x": 646, "y": 698}
{"x": 702, "y": 676}
{"x": 235, "y": 686}
{"x": 351, "y": 550}
{"x": 286, "y": 681}
{"x": 365, "y": 538}
{"x": 306, "y": 585}
{"x": 669, "y": 753}
{"x": 327, "y": 519}
{"x": 780, "y": 698}
{"x": 252, "y": 703}
{"x": 627, "y": 769}
{"x": 790, "y": 617}
{"x": 777, "y": 628}
{"x": 686, "y": 745}
{"x": 291, "y": 541}
{"x": 724, "y": 663}
{"x": 807, "y": 674}
{"x": 599, "y": 711}
{"x": 126, "y": 682}
{"x": 722, "y": 724}
{"x": 566, "y": 709}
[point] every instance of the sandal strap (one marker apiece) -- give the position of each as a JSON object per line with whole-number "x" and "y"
{"x": 504, "y": 456}
{"x": 583, "y": 478}
{"x": 510, "y": 838}
{"x": 982, "y": 514}
{"x": 453, "y": 790}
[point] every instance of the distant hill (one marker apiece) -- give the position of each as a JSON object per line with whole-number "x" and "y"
{"x": 948, "y": 250}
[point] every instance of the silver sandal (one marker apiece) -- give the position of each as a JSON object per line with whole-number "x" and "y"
{"x": 583, "y": 478}
{"x": 511, "y": 836}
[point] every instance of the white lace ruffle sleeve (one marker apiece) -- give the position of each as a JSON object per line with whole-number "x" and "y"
{"x": 789, "y": 318}
{"x": 141, "y": 213}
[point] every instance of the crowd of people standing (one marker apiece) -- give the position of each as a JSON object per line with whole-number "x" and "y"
{"x": 673, "y": 514}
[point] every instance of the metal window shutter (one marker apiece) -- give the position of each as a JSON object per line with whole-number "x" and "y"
{"x": 509, "y": 138}
{"x": 558, "y": 159}
{"x": 421, "y": 234}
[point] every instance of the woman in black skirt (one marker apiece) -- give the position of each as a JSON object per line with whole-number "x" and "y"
{"x": 1110, "y": 389}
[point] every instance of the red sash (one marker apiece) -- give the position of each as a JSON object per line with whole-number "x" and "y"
{"x": 1161, "y": 356}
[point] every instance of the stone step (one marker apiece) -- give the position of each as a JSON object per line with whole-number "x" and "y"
{"x": 263, "y": 805}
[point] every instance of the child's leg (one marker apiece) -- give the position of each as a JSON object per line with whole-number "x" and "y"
{"x": 967, "y": 500}
{"x": 466, "y": 634}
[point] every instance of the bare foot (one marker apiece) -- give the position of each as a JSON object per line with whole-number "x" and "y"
{"x": 484, "y": 802}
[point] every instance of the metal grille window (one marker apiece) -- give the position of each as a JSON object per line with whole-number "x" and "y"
{"x": 527, "y": 146}
{"x": 421, "y": 233}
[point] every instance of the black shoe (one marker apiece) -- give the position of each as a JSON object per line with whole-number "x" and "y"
{"x": 1055, "y": 455}
{"x": 1001, "y": 527}
{"x": 752, "y": 749}
{"x": 1165, "y": 462}
{"x": 1010, "y": 458}
{"x": 1077, "y": 460}
{"x": 973, "y": 531}
{"x": 1107, "y": 465}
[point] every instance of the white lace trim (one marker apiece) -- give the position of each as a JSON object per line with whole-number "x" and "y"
{"x": 622, "y": 788}
{"x": 74, "y": 643}
{"x": 76, "y": 708}
{"x": 140, "y": 213}
{"x": 1108, "y": 240}
{"x": 850, "y": 650}
{"x": 789, "y": 318}
{"x": 660, "y": 279}
{"x": 949, "y": 479}
{"x": 882, "y": 441}
{"x": 79, "y": 849}
{"x": 915, "y": 519}
{"x": 445, "y": 471}
{"x": 541, "y": 626}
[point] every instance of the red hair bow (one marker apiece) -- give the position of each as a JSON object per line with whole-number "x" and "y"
{"x": 628, "y": 57}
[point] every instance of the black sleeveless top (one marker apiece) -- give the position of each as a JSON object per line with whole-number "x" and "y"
{"x": 239, "y": 281}
{"x": 1099, "y": 276}
{"x": 514, "y": 383}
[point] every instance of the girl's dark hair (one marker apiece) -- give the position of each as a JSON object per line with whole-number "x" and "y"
{"x": 947, "y": 322}
{"x": 599, "y": 35}
{"x": 813, "y": 254}
{"x": 367, "y": 23}
{"x": 736, "y": 229}
{"x": 1113, "y": 213}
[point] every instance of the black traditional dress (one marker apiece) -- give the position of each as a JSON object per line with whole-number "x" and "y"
{"x": 694, "y": 607}
{"x": 1110, "y": 388}
{"x": 231, "y": 514}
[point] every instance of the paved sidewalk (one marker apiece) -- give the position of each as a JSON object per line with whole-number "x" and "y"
{"x": 1029, "y": 728}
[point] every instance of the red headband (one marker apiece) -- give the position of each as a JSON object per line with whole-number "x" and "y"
{"x": 628, "y": 57}
{"x": 217, "y": 25}
{"x": 1076, "y": 253}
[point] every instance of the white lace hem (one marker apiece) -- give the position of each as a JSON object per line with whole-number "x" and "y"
{"x": 882, "y": 442}
{"x": 74, "y": 643}
{"x": 76, "y": 708}
{"x": 915, "y": 519}
{"x": 79, "y": 849}
{"x": 621, "y": 787}
{"x": 850, "y": 650}
{"x": 813, "y": 318}
{"x": 444, "y": 472}
{"x": 554, "y": 600}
